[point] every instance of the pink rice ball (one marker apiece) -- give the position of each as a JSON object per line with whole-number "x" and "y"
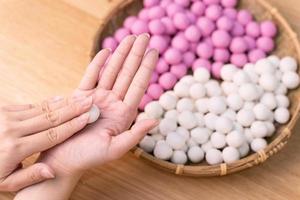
{"x": 192, "y": 17}
{"x": 229, "y": 3}
{"x": 198, "y": 8}
{"x": 192, "y": 33}
{"x": 154, "y": 77}
{"x": 213, "y": 12}
{"x": 237, "y": 30}
{"x": 251, "y": 43}
{"x": 162, "y": 66}
{"x": 121, "y": 33}
{"x": 165, "y": 3}
{"x": 221, "y": 39}
{"x": 201, "y": 63}
{"x": 179, "y": 70}
{"x": 158, "y": 42}
{"x": 144, "y": 101}
{"x": 216, "y": 69}
{"x": 221, "y": 55}
{"x": 239, "y": 59}
{"x": 174, "y": 8}
{"x": 209, "y": 2}
{"x": 167, "y": 80}
{"x": 225, "y": 23}
{"x": 129, "y": 21}
{"x": 238, "y": 45}
{"x": 193, "y": 46}
{"x": 155, "y": 90}
{"x": 206, "y": 26}
{"x": 188, "y": 58}
{"x": 139, "y": 27}
{"x": 150, "y": 3}
{"x": 183, "y": 3}
{"x": 156, "y": 12}
{"x": 244, "y": 17}
{"x": 156, "y": 27}
{"x": 255, "y": 55}
{"x": 172, "y": 56}
{"x": 169, "y": 26}
{"x": 265, "y": 43}
{"x": 208, "y": 40}
{"x": 230, "y": 12}
{"x": 110, "y": 43}
{"x": 253, "y": 29}
{"x": 268, "y": 29}
{"x": 143, "y": 14}
{"x": 181, "y": 21}
{"x": 179, "y": 42}
{"x": 205, "y": 50}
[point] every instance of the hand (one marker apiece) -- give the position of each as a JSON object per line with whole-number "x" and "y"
{"x": 29, "y": 129}
{"x": 122, "y": 83}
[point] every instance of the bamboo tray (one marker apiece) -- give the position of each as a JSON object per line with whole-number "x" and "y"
{"x": 287, "y": 43}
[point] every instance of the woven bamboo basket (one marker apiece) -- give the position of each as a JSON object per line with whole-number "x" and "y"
{"x": 287, "y": 43}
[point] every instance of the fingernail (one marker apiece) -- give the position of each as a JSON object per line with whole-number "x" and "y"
{"x": 83, "y": 119}
{"x": 109, "y": 49}
{"x": 87, "y": 102}
{"x": 147, "y": 35}
{"x": 47, "y": 174}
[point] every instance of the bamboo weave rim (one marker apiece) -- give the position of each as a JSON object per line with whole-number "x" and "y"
{"x": 287, "y": 43}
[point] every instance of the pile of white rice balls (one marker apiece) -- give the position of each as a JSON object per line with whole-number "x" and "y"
{"x": 203, "y": 119}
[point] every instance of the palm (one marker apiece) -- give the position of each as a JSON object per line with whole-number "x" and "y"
{"x": 102, "y": 141}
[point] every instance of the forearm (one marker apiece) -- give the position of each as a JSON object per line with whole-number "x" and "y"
{"x": 59, "y": 188}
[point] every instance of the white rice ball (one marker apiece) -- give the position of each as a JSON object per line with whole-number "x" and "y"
{"x": 202, "y": 105}
{"x": 241, "y": 77}
{"x": 248, "y": 105}
{"x": 245, "y": 117}
{"x": 235, "y": 101}
{"x": 171, "y": 114}
{"x": 230, "y": 155}
{"x": 268, "y": 82}
{"x": 201, "y": 75}
{"x": 271, "y": 128}
{"x": 217, "y": 105}
{"x": 213, "y": 88}
{"x": 248, "y": 135}
{"x": 235, "y": 139}
{"x": 263, "y": 66}
{"x": 218, "y": 140}
{"x": 249, "y": 92}
{"x": 258, "y": 144}
{"x": 259, "y": 129}
{"x": 183, "y": 132}
{"x": 147, "y": 144}
{"x": 288, "y": 64}
{"x": 181, "y": 89}
{"x": 162, "y": 151}
{"x": 175, "y": 140}
{"x": 210, "y": 120}
{"x": 244, "y": 150}
{"x": 197, "y": 91}
{"x": 185, "y": 104}
{"x": 179, "y": 157}
{"x": 269, "y": 100}
{"x": 282, "y": 115}
{"x": 158, "y": 137}
{"x": 281, "y": 89}
{"x": 290, "y": 79}
{"x": 188, "y": 79}
{"x": 187, "y": 120}
{"x": 282, "y": 101}
{"x": 229, "y": 88}
{"x": 200, "y": 135}
{"x": 167, "y": 125}
{"x": 223, "y": 125}
{"x": 154, "y": 110}
{"x": 274, "y": 60}
{"x": 94, "y": 114}
{"x": 191, "y": 142}
{"x": 195, "y": 154}
{"x": 167, "y": 101}
{"x": 228, "y": 71}
{"x": 207, "y": 146}
{"x": 214, "y": 157}
{"x": 230, "y": 114}
{"x": 261, "y": 112}
{"x": 200, "y": 119}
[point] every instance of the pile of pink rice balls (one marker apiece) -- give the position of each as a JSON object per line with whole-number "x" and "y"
{"x": 216, "y": 90}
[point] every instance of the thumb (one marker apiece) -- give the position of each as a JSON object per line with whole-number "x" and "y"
{"x": 122, "y": 143}
{"x": 25, "y": 177}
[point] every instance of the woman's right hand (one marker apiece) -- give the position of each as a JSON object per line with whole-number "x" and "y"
{"x": 29, "y": 129}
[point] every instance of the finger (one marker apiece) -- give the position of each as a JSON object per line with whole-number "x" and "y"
{"x": 141, "y": 79}
{"x": 15, "y": 108}
{"x": 131, "y": 64}
{"x": 115, "y": 63}
{"x": 122, "y": 143}
{"x": 50, "y": 119}
{"x": 51, "y": 137}
{"x": 37, "y": 109}
{"x": 26, "y": 177}
{"x": 90, "y": 77}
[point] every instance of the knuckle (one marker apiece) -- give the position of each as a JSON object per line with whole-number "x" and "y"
{"x": 6, "y": 127}
{"x": 137, "y": 55}
{"x": 52, "y": 135}
{"x": 53, "y": 118}
{"x": 74, "y": 107}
